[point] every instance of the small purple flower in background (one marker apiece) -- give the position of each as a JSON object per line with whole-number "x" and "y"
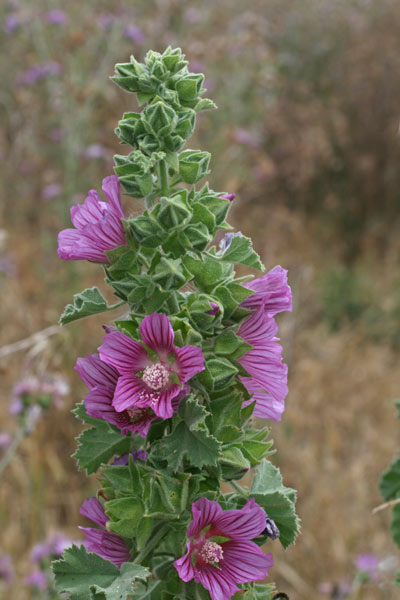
{"x": 367, "y": 565}
{"x": 268, "y": 381}
{"x": 54, "y": 545}
{"x": 38, "y": 72}
{"x": 95, "y": 151}
{"x": 245, "y": 137}
{"x": 12, "y": 22}
{"x": 31, "y": 395}
{"x": 51, "y": 191}
{"x": 101, "y": 380}
{"x": 98, "y": 226}
{"x": 56, "y": 134}
{"x": 5, "y": 440}
{"x": 270, "y": 291}
{"x": 56, "y": 17}
{"x": 106, "y": 20}
{"x": 107, "y": 545}
{"x": 6, "y": 569}
{"x": 134, "y": 33}
{"x": 36, "y": 579}
{"x": 146, "y": 382}
{"x": 7, "y": 266}
{"x": 136, "y": 455}
{"x": 336, "y": 591}
{"x": 217, "y": 565}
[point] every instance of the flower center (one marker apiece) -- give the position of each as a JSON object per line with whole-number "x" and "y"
{"x": 137, "y": 414}
{"x": 156, "y": 376}
{"x": 211, "y": 552}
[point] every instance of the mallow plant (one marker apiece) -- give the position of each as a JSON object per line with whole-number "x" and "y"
{"x": 182, "y": 387}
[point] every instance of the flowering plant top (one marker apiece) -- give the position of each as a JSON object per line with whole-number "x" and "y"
{"x": 180, "y": 375}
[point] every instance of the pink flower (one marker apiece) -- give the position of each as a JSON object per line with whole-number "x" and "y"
{"x": 217, "y": 565}
{"x": 98, "y": 226}
{"x": 268, "y": 381}
{"x": 270, "y": 291}
{"x": 101, "y": 380}
{"x": 100, "y": 541}
{"x": 150, "y": 381}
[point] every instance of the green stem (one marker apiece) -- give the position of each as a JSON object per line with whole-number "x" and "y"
{"x": 116, "y": 305}
{"x": 162, "y": 165}
{"x": 152, "y": 543}
{"x": 12, "y": 450}
{"x": 239, "y": 489}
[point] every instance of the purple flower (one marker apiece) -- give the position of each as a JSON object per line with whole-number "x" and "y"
{"x": 5, "y": 440}
{"x": 56, "y": 17}
{"x": 54, "y": 545}
{"x": 39, "y": 71}
{"x": 270, "y": 291}
{"x": 107, "y": 545}
{"x": 51, "y": 191}
{"x": 368, "y": 565}
{"x": 106, "y": 20}
{"x": 230, "y": 197}
{"x": 6, "y": 569}
{"x": 134, "y": 33}
{"x": 268, "y": 374}
{"x": 12, "y": 22}
{"x": 245, "y": 137}
{"x": 95, "y": 151}
{"x": 98, "y": 226}
{"x": 150, "y": 382}
{"x": 136, "y": 455}
{"x": 101, "y": 380}
{"x": 36, "y": 579}
{"x": 217, "y": 565}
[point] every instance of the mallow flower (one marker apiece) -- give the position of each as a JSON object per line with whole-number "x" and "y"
{"x": 100, "y": 541}
{"x": 101, "y": 379}
{"x": 152, "y": 373}
{"x": 220, "y": 553}
{"x": 98, "y": 226}
{"x": 270, "y": 291}
{"x": 268, "y": 374}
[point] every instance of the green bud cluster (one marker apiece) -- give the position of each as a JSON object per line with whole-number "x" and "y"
{"x": 173, "y": 97}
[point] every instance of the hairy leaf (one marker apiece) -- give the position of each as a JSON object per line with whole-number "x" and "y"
{"x": 98, "y": 444}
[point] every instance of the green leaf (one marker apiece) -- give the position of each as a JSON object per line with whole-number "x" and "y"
{"x": 191, "y": 438}
{"x": 277, "y": 500}
{"x": 240, "y": 250}
{"x": 397, "y": 581}
{"x": 124, "y": 585}
{"x": 89, "y": 302}
{"x": 218, "y": 373}
{"x": 389, "y": 484}
{"x": 395, "y": 525}
{"x": 98, "y": 444}
{"x": 78, "y": 570}
{"x": 80, "y": 413}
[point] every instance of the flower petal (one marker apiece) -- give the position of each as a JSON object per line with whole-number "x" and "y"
{"x": 271, "y": 291}
{"x": 217, "y": 582}
{"x": 267, "y": 407}
{"x": 93, "y": 371}
{"x": 157, "y": 333}
{"x": 164, "y": 407}
{"x": 93, "y": 510}
{"x": 73, "y": 245}
{"x": 244, "y": 561}
{"x": 112, "y": 189}
{"x": 258, "y": 328}
{"x": 107, "y": 545}
{"x": 244, "y": 524}
{"x": 189, "y": 361}
{"x": 126, "y": 355}
{"x": 91, "y": 211}
{"x": 205, "y": 512}
{"x": 130, "y": 392}
{"x": 184, "y": 566}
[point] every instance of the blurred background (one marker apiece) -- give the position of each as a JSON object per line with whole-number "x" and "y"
{"x": 306, "y": 136}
